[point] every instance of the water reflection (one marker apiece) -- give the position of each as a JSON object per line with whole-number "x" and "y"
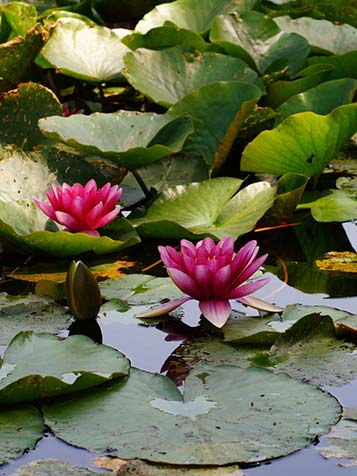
{"x": 89, "y": 328}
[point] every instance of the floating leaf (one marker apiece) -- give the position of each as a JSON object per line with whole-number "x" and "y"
{"x": 195, "y": 15}
{"x": 20, "y": 111}
{"x": 37, "y": 366}
{"x": 17, "y": 55}
{"x": 340, "y": 262}
{"x": 344, "y": 66}
{"x": 139, "y": 289}
{"x": 20, "y": 16}
{"x": 132, "y": 139}
{"x": 321, "y": 99}
{"x": 260, "y": 424}
{"x": 21, "y": 428}
{"x": 21, "y": 222}
{"x": 54, "y": 468}
{"x": 337, "y": 205}
{"x": 168, "y": 75}
{"x": 303, "y": 143}
{"x": 210, "y": 208}
{"x": 322, "y": 33}
{"x": 258, "y": 40}
{"x": 91, "y": 53}
{"x": 219, "y": 110}
{"x": 310, "y": 351}
{"x": 32, "y": 313}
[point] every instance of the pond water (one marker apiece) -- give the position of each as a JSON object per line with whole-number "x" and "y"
{"x": 149, "y": 346}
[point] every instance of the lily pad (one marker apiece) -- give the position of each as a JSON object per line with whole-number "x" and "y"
{"x": 138, "y": 289}
{"x": 341, "y": 441}
{"x": 222, "y": 428}
{"x": 166, "y": 76}
{"x": 37, "y": 366}
{"x": 303, "y": 143}
{"x": 323, "y": 34}
{"x": 258, "y": 40}
{"x": 20, "y": 111}
{"x": 336, "y": 205}
{"x": 91, "y": 53}
{"x": 321, "y": 99}
{"x": 310, "y": 351}
{"x": 195, "y": 15}
{"x": 132, "y": 139}
{"x": 17, "y": 55}
{"x": 20, "y": 16}
{"x": 54, "y": 468}
{"x": 219, "y": 110}
{"x": 340, "y": 262}
{"x": 344, "y": 65}
{"x": 31, "y": 313}
{"x": 212, "y": 207}
{"x": 21, "y": 428}
{"x": 22, "y": 223}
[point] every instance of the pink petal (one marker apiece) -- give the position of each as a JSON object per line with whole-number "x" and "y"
{"x": 226, "y": 246}
{"x": 45, "y": 207}
{"x": 221, "y": 281}
{"x": 203, "y": 279}
{"x": 89, "y": 232}
{"x": 112, "y": 199}
{"x": 91, "y": 186}
{"x": 245, "y": 273}
{"x": 217, "y": 312}
{"x": 184, "y": 282}
{"x": 170, "y": 257}
{"x": 108, "y": 217}
{"x": 78, "y": 208}
{"x": 163, "y": 308}
{"x": 259, "y": 304}
{"x": 67, "y": 220}
{"x": 188, "y": 248}
{"x": 208, "y": 245}
{"x": 93, "y": 215}
{"x": 247, "y": 289}
{"x": 103, "y": 192}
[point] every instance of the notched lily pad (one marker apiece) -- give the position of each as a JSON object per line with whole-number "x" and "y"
{"x": 37, "y": 366}
{"x": 212, "y": 426}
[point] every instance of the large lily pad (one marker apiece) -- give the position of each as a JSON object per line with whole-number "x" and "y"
{"x": 344, "y": 66}
{"x": 257, "y": 39}
{"x": 17, "y": 55}
{"x": 37, "y": 366}
{"x": 219, "y": 110}
{"x": 321, "y": 99}
{"x": 91, "y": 53}
{"x": 32, "y": 313}
{"x": 55, "y": 468}
{"x": 132, "y": 139}
{"x": 212, "y": 425}
{"x": 20, "y": 111}
{"x": 20, "y": 16}
{"x": 212, "y": 207}
{"x": 21, "y": 428}
{"x": 22, "y": 224}
{"x": 303, "y": 143}
{"x": 310, "y": 351}
{"x": 323, "y": 34}
{"x": 195, "y": 15}
{"x": 337, "y": 205}
{"x": 168, "y": 75}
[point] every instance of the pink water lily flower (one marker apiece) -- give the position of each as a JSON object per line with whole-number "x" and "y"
{"x": 82, "y": 209}
{"x": 213, "y": 274}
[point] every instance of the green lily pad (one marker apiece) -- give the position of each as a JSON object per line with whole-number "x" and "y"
{"x": 258, "y": 40}
{"x": 323, "y": 34}
{"x": 344, "y": 66}
{"x": 212, "y": 207}
{"x": 340, "y": 443}
{"x": 21, "y": 428}
{"x": 179, "y": 169}
{"x": 303, "y": 143}
{"x": 310, "y": 351}
{"x": 91, "y": 53}
{"x": 212, "y": 426}
{"x": 37, "y": 366}
{"x": 132, "y": 139}
{"x": 22, "y": 224}
{"x": 17, "y": 55}
{"x": 338, "y": 205}
{"x": 164, "y": 37}
{"x": 54, "y": 468}
{"x": 20, "y": 16}
{"x": 195, "y": 15}
{"x": 20, "y": 111}
{"x": 219, "y": 110}
{"x": 31, "y": 313}
{"x": 138, "y": 289}
{"x": 166, "y": 76}
{"x": 321, "y": 99}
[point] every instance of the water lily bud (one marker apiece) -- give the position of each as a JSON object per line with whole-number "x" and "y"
{"x": 83, "y": 294}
